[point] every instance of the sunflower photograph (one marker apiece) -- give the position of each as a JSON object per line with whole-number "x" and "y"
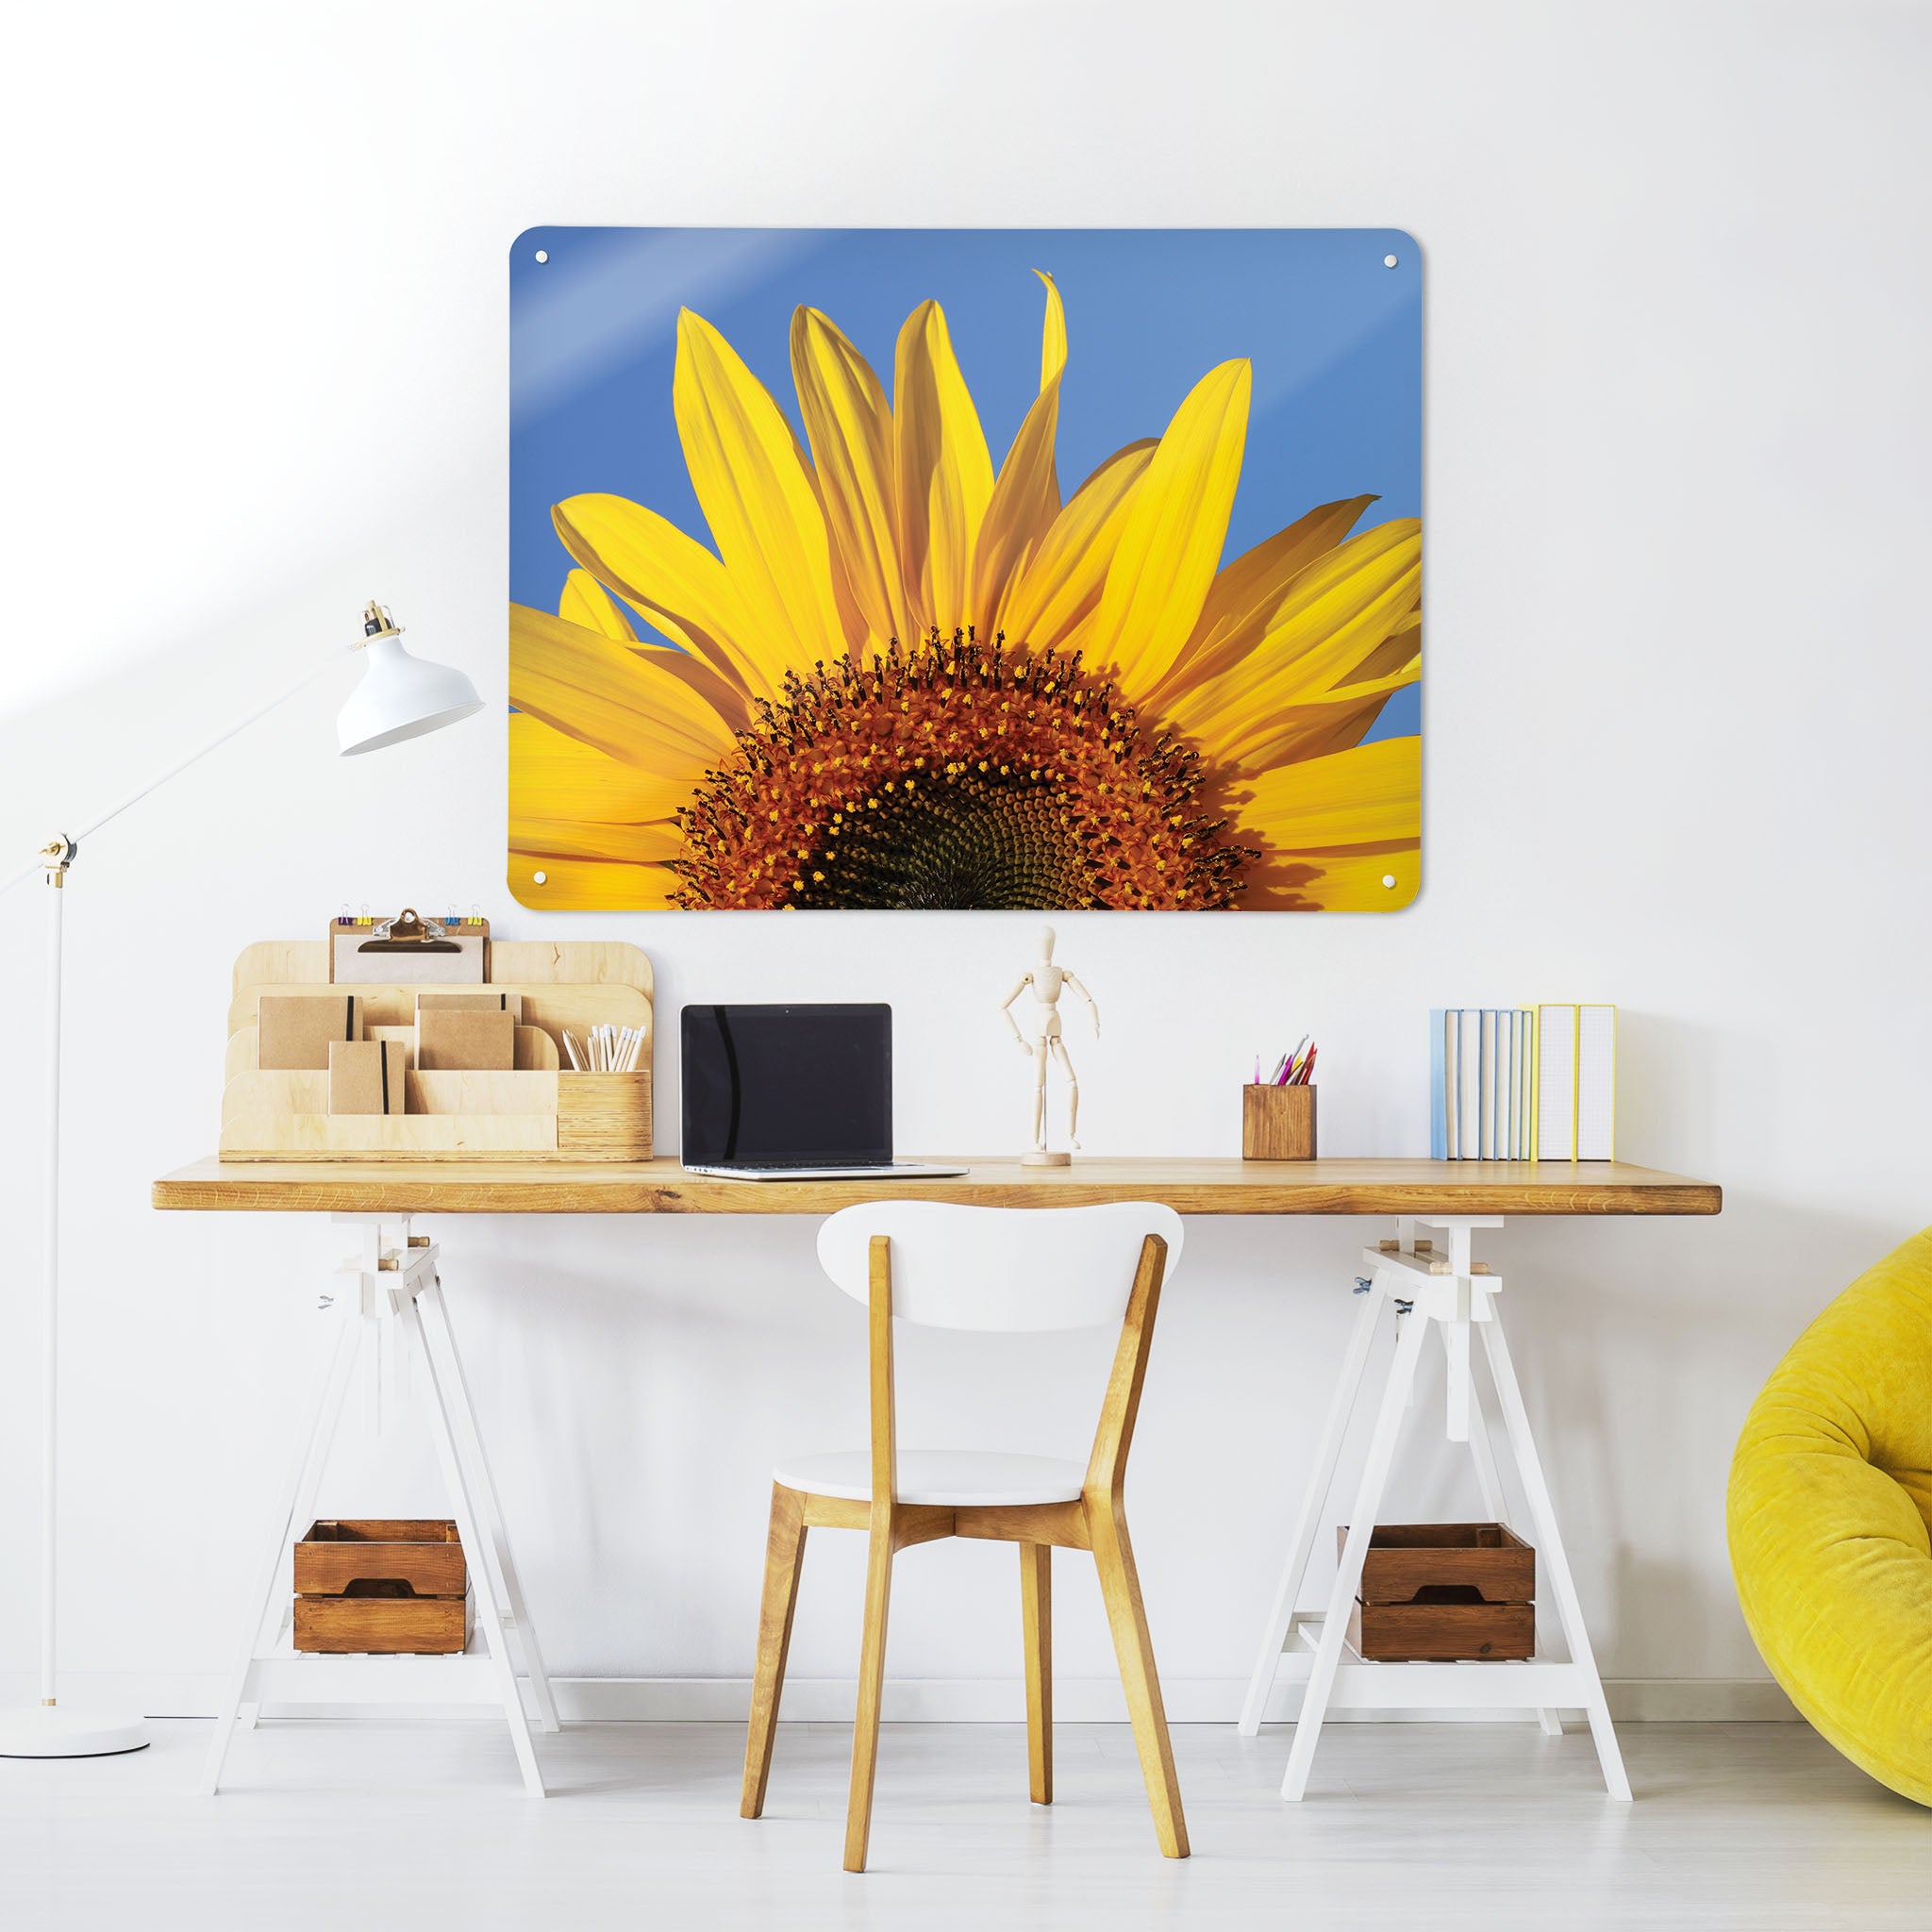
{"x": 961, "y": 570}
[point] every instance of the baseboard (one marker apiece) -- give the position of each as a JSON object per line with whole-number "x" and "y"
{"x": 941, "y": 1700}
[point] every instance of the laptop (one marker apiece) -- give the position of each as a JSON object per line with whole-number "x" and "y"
{"x": 791, "y": 1093}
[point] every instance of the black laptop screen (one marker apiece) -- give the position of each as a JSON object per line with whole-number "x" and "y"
{"x": 786, "y": 1086}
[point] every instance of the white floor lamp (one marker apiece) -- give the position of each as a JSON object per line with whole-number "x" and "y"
{"x": 399, "y": 697}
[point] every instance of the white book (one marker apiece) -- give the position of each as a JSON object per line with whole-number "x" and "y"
{"x": 1596, "y": 1082}
{"x": 1526, "y": 1092}
{"x": 1556, "y": 1084}
{"x": 1470, "y": 1086}
{"x": 1506, "y": 1083}
{"x": 1452, "y": 1085}
{"x": 1487, "y": 1120}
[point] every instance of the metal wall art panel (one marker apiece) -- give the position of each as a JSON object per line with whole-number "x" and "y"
{"x": 950, "y": 568}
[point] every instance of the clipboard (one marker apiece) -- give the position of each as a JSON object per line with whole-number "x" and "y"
{"x": 452, "y": 952}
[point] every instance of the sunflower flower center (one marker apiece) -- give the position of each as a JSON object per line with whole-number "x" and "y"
{"x": 953, "y": 776}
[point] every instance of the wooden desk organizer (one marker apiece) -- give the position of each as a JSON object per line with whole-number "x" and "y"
{"x": 537, "y": 1112}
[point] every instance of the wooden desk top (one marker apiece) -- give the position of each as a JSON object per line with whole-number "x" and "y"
{"x": 1189, "y": 1186}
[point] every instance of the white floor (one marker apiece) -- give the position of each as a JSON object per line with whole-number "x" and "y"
{"x": 347, "y": 1827}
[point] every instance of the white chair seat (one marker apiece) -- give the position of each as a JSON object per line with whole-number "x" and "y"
{"x": 950, "y": 1478}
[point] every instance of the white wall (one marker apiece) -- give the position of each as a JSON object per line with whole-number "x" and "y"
{"x": 1676, "y": 728}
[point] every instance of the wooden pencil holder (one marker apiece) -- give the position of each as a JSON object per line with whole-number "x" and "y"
{"x": 1278, "y": 1122}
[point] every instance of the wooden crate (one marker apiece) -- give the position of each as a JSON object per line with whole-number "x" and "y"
{"x": 1441, "y": 1632}
{"x": 1406, "y": 1558}
{"x": 1444, "y": 1592}
{"x": 384, "y": 1585}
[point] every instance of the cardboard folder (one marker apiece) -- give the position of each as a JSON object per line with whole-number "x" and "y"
{"x": 366, "y": 1076}
{"x": 484, "y": 1000}
{"x": 294, "y": 1029}
{"x": 451, "y": 1039}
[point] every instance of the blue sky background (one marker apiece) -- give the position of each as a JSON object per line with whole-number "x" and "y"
{"x": 1335, "y": 337}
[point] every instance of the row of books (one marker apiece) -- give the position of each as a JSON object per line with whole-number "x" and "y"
{"x": 1523, "y": 1083}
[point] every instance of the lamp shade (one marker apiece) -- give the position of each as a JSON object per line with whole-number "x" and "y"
{"x": 401, "y": 696}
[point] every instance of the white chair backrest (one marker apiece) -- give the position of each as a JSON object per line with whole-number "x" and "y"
{"x": 1009, "y": 1270}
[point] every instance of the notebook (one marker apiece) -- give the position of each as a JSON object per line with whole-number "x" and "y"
{"x": 1596, "y": 1082}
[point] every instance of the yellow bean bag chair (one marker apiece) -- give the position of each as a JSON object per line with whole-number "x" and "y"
{"x": 1831, "y": 1493}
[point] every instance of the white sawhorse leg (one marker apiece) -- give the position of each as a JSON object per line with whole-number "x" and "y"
{"x": 1454, "y": 1294}
{"x": 1489, "y": 1482}
{"x": 1368, "y": 1503}
{"x": 298, "y": 1499}
{"x": 491, "y": 1608}
{"x": 1556, "y": 1562}
{"x": 439, "y": 1341}
{"x": 1308, "y": 1524}
{"x": 395, "y": 1283}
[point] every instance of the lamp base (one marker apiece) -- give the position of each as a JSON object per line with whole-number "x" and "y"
{"x": 50, "y": 1730}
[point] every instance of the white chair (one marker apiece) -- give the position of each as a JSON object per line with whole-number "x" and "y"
{"x": 1011, "y": 1271}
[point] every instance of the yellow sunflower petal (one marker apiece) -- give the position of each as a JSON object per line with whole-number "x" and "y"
{"x": 725, "y": 696}
{"x": 556, "y": 777}
{"x": 1334, "y": 882}
{"x": 588, "y": 885}
{"x": 1398, "y": 648}
{"x": 1052, "y": 334}
{"x": 1331, "y": 723}
{"x": 1025, "y": 501}
{"x": 1369, "y": 796}
{"x": 1337, "y": 615}
{"x": 1244, "y": 595}
{"x": 943, "y": 476}
{"x": 650, "y": 843}
{"x": 1171, "y": 547}
{"x": 619, "y": 700}
{"x": 760, "y": 500}
{"x": 678, "y": 585}
{"x": 849, "y": 426}
{"x": 585, "y": 601}
{"x": 1063, "y": 578}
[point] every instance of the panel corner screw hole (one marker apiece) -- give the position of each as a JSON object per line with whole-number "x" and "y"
{"x": 1388, "y": 881}
{"x": 543, "y": 255}
{"x": 1387, "y": 261}
{"x": 540, "y": 878}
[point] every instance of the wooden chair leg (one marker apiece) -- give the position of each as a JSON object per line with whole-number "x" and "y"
{"x": 1120, "y": 1588}
{"x": 872, "y": 1681}
{"x": 784, "y": 1554}
{"x": 1036, "y": 1618}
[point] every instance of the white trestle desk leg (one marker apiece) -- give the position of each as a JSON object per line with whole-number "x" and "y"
{"x": 1431, "y": 1286}
{"x": 1314, "y": 1507}
{"x": 1455, "y": 1399}
{"x": 1368, "y": 1503}
{"x": 395, "y": 1285}
{"x": 1488, "y": 1480}
{"x": 489, "y": 1606}
{"x": 441, "y": 1341}
{"x": 298, "y": 1499}
{"x": 1556, "y": 1563}
{"x": 354, "y": 1332}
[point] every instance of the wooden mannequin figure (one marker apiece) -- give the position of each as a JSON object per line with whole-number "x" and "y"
{"x": 1047, "y": 980}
